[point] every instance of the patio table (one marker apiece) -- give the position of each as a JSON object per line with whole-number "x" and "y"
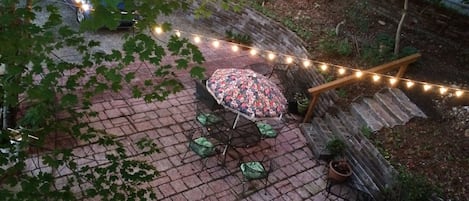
{"x": 245, "y": 134}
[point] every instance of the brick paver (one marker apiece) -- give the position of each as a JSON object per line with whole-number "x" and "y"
{"x": 298, "y": 175}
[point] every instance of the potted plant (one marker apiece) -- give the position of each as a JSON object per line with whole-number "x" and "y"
{"x": 339, "y": 168}
{"x": 302, "y": 102}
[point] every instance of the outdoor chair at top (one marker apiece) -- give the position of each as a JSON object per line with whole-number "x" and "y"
{"x": 257, "y": 170}
{"x": 202, "y": 94}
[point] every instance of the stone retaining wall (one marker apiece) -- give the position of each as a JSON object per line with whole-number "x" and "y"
{"x": 272, "y": 36}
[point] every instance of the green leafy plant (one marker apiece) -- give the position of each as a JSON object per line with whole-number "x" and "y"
{"x": 56, "y": 97}
{"x": 331, "y": 44}
{"x": 301, "y": 98}
{"x": 366, "y": 131}
{"x": 381, "y": 50}
{"x": 234, "y": 37}
{"x": 342, "y": 93}
{"x": 356, "y": 15}
{"x": 336, "y": 147}
{"x": 410, "y": 187}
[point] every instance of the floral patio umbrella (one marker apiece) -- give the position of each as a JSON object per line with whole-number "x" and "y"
{"x": 248, "y": 93}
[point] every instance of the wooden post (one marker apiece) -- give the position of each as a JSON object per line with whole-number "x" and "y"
{"x": 401, "y": 71}
{"x": 309, "y": 113}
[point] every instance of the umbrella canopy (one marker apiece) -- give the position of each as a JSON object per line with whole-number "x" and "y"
{"x": 247, "y": 92}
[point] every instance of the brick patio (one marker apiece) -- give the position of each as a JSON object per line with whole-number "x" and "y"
{"x": 298, "y": 177}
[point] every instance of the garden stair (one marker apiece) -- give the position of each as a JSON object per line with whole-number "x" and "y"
{"x": 387, "y": 108}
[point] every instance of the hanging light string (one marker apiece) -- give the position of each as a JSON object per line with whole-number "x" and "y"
{"x": 322, "y": 66}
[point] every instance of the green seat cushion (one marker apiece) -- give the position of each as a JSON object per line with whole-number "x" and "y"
{"x": 266, "y": 130}
{"x": 208, "y": 119}
{"x": 202, "y": 147}
{"x": 253, "y": 170}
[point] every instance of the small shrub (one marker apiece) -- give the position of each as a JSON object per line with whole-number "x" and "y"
{"x": 382, "y": 50}
{"x": 342, "y": 93}
{"x": 238, "y": 38}
{"x": 331, "y": 44}
{"x": 336, "y": 147}
{"x": 411, "y": 187}
{"x": 366, "y": 131}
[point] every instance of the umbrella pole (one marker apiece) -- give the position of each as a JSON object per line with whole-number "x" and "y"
{"x": 236, "y": 121}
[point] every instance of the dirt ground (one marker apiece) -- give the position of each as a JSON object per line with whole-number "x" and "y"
{"x": 437, "y": 147}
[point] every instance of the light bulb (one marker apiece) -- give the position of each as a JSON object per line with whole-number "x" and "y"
{"x": 235, "y": 48}
{"x": 323, "y": 67}
{"x": 426, "y": 87}
{"x": 216, "y": 44}
{"x": 158, "y": 30}
{"x": 178, "y": 33}
{"x": 410, "y": 84}
{"x": 459, "y": 93}
{"x": 253, "y": 52}
{"x": 376, "y": 78}
{"x": 392, "y": 81}
{"x": 85, "y": 7}
{"x": 359, "y": 74}
{"x": 306, "y": 63}
{"x": 197, "y": 39}
{"x": 289, "y": 60}
{"x": 271, "y": 56}
{"x": 341, "y": 71}
{"x": 443, "y": 90}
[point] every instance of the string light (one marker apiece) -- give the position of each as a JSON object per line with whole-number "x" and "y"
{"x": 270, "y": 55}
{"x": 158, "y": 30}
{"x": 235, "y": 48}
{"x": 443, "y": 90}
{"x": 216, "y": 44}
{"x": 410, "y": 84}
{"x": 323, "y": 67}
{"x": 197, "y": 39}
{"x": 253, "y": 52}
{"x": 426, "y": 87}
{"x": 359, "y": 74}
{"x": 376, "y": 78}
{"x": 306, "y": 63}
{"x": 341, "y": 71}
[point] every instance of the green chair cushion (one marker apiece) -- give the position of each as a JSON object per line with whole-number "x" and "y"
{"x": 266, "y": 130}
{"x": 208, "y": 119}
{"x": 202, "y": 147}
{"x": 253, "y": 170}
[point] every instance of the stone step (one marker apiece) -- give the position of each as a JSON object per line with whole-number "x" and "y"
{"x": 349, "y": 121}
{"x": 387, "y": 101}
{"x": 360, "y": 153}
{"x": 405, "y": 103}
{"x": 317, "y": 134}
{"x": 365, "y": 115}
{"x": 380, "y": 113}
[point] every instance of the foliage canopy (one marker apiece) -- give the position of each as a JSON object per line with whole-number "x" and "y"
{"x": 56, "y": 96}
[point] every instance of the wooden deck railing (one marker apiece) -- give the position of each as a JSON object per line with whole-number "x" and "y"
{"x": 316, "y": 91}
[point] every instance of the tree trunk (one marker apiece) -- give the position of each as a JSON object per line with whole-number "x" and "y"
{"x": 399, "y": 28}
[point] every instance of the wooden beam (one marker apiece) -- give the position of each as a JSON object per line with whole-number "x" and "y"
{"x": 316, "y": 91}
{"x": 352, "y": 78}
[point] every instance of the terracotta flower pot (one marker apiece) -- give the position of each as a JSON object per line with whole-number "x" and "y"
{"x": 339, "y": 171}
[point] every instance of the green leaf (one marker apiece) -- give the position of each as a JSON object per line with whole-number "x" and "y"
{"x": 197, "y": 72}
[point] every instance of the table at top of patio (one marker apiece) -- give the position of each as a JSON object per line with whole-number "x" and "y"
{"x": 245, "y": 134}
